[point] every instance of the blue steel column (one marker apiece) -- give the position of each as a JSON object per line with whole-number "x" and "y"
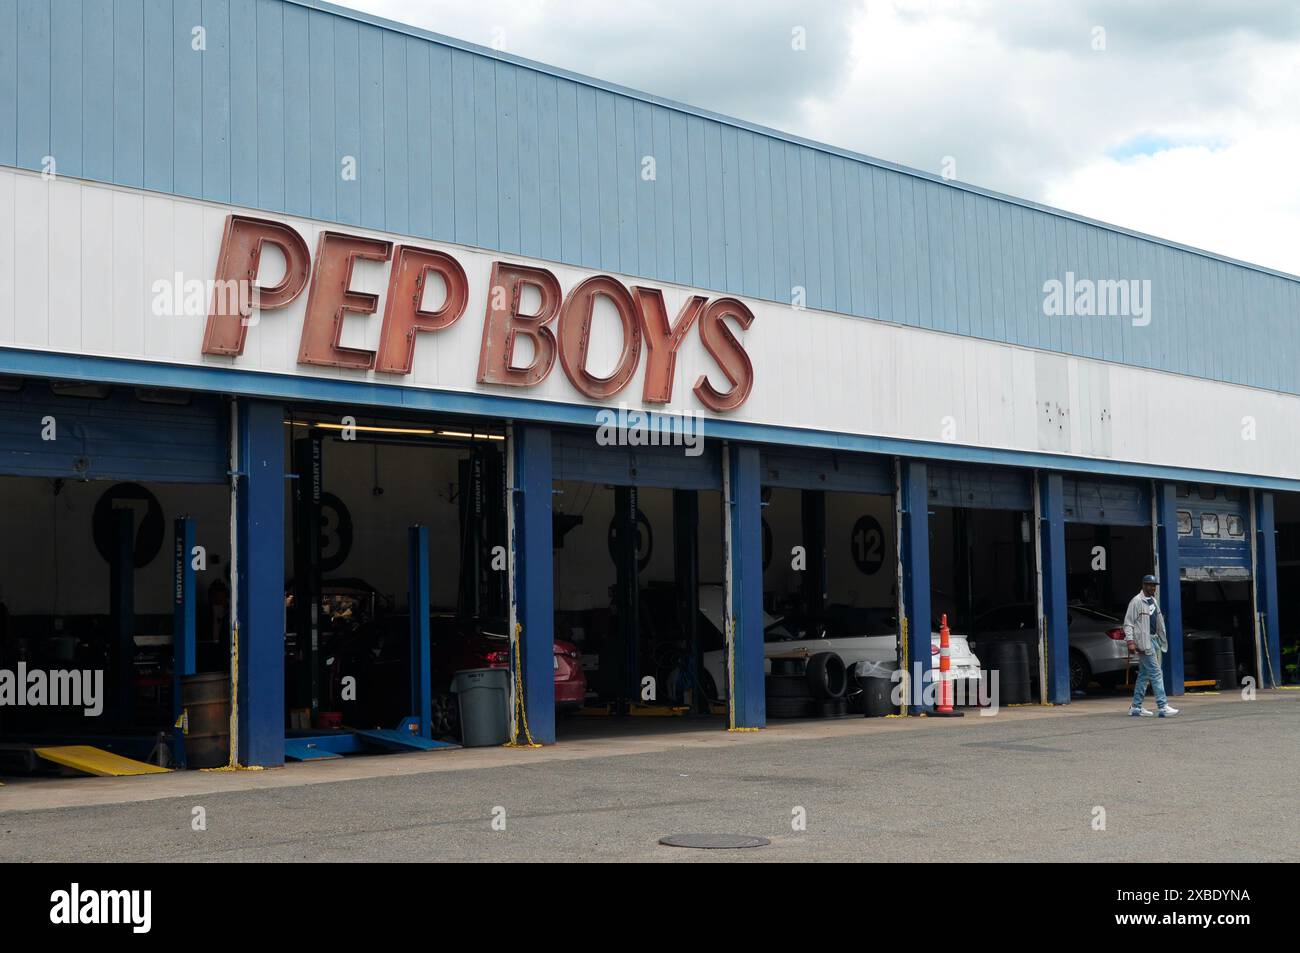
{"x": 1266, "y": 588}
{"x": 534, "y": 593}
{"x": 417, "y": 600}
{"x": 260, "y": 531}
{"x": 915, "y": 556}
{"x": 746, "y": 594}
{"x": 1056, "y": 615}
{"x": 1171, "y": 594}
{"x": 183, "y": 622}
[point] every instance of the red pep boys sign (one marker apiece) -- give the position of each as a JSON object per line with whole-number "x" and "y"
{"x": 560, "y": 327}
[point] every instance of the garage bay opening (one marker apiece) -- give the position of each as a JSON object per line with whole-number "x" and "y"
{"x": 639, "y": 590}
{"x": 114, "y": 577}
{"x": 385, "y": 514}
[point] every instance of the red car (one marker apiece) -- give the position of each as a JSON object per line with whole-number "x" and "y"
{"x": 377, "y": 653}
{"x": 455, "y": 649}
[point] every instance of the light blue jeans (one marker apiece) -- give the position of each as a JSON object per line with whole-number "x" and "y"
{"x": 1149, "y": 671}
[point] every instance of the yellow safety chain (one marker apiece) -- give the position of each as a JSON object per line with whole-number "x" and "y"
{"x": 520, "y": 709}
{"x": 731, "y": 682}
{"x": 1268, "y": 656}
{"x": 907, "y": 675}
{"x": 1047, "y": 665}
{"x": 232, "y": 765}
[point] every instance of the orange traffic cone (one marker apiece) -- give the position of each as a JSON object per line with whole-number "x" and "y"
{"x": 945, "y": 666}
{"x": 944, "y": 702}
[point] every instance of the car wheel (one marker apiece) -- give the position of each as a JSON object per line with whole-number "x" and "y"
{"x": 444, "y": 716}
{"x": 1080, "y": 673}
{"x": 826, "y": 675}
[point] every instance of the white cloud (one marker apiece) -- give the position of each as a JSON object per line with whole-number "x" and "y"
{"x": 1239, "y": 200}
{"x": 1015, "y": 91}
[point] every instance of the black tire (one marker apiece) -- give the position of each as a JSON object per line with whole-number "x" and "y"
{"x": 788, "y": 666}
{"x": 827, "y": 677}
{"x": 1080, "y": 673}
{"x": 786, "y": 686}
{"x": 833, "y": 708}
{"x": 779, "y": 707}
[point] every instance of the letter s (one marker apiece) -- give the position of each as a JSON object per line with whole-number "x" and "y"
{"x": 727, "y": 351}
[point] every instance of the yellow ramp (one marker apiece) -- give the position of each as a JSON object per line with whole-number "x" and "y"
{"x": 96, "y": 761}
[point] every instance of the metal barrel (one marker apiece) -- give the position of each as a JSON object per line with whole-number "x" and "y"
{"x": 206, "y": 697}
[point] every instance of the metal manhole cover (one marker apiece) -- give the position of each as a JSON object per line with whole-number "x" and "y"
{"x": 714, "y": 841}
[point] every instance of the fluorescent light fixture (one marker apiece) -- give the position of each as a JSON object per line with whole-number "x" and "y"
{"x": 410, "y": 431}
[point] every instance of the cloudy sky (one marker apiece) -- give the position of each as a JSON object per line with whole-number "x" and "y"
{"x": 1175, "y": 117}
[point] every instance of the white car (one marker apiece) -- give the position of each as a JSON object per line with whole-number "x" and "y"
{"x": 780, "y": 640}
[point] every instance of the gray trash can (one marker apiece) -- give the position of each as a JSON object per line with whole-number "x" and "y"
{"x": 484, "y": 698}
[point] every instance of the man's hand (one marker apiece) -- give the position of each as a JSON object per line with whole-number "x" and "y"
{"x": 1132, "y": 647}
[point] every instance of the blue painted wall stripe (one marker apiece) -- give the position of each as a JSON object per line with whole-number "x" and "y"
{"x": 290, "y": 387}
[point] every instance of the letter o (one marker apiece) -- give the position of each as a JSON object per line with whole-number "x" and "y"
{"x": 575, "y": 336}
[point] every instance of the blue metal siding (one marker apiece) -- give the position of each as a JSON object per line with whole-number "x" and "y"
{"x": 457, "y": 143}
{"x": 1106, "y": 502}
{"x": 980, "y": 488}
{"x": 810, "y": 470}
{"x": 114, "y": 438}
{"x": 578, "y": 457}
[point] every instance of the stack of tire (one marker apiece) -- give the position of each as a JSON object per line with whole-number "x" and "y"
{"x": 1011, "y": 662}
{"x": 807, "y": 688}
{"x": 1216, "y": 658}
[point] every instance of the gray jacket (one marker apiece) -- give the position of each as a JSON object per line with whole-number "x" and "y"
{"x": 1138, "y": 628}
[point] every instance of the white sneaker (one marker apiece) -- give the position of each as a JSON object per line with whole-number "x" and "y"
{"x": 1141, "y": 713}
{"x": 1167, "y": 712}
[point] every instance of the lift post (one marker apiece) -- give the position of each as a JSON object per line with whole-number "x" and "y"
{"x": 122, "y": 611}
{"x": 628, "y": 589}
{"x": 812, "y": 504}
{"x": 686, "y": 570}
{"x": 308, "y": 469}
{"x": 183, "y": 627}
{"x": 418, "y": 603}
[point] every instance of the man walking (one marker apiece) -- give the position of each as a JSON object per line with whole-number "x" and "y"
{"x": 1144, "y": 630}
